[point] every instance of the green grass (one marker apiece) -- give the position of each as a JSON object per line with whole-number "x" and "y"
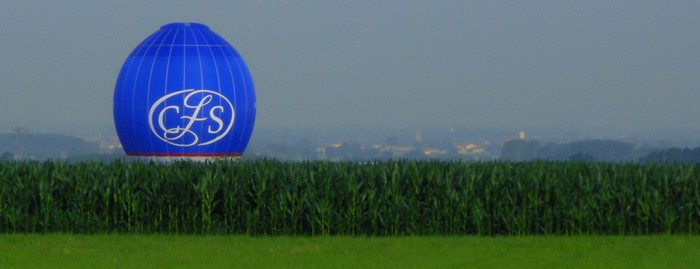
{"x": 172, "y": 251}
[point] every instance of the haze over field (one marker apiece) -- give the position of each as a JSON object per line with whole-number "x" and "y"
{"x": 597, "y": 67}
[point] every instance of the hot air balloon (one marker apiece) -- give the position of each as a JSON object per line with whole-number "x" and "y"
{"x": 184, "y": 93}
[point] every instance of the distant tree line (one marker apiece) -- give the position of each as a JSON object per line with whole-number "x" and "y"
{"x": 587, "y": 150}
{"x": 24, "y": 145}
{"x": 30, "y": 146}
{"x": 595, "y": 150}
{"x": 6, "y": 156}
{"x": 673, "y": 155}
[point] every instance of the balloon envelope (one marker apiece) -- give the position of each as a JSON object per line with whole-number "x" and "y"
{"x": 184, "y": 92}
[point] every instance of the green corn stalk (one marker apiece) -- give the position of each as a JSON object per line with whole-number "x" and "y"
{"x": 206, "y": 188}
{"x": 46, "y": 189}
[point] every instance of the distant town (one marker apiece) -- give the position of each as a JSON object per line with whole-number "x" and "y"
{"x": 357, "y": 144}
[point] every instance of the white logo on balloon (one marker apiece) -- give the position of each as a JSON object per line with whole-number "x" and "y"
{"x": 191, "y": 111}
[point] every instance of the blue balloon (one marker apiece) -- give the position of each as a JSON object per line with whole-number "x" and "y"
{"x": 184, "y": 92}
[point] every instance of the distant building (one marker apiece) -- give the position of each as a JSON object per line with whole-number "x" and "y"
{"x": 469, "y": 149}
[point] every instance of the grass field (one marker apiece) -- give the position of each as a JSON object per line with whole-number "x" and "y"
{"x": 171, "y": 251}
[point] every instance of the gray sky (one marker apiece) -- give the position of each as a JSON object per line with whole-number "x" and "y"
{"x": 583, "y": 66}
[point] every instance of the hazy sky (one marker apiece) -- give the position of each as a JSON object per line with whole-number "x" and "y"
{"x": 569, "y": 65}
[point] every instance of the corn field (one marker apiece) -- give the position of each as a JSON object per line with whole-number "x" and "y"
{"x": 267, "y": 197}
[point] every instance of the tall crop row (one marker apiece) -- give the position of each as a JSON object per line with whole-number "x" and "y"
{"x": 321, "y": 198}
